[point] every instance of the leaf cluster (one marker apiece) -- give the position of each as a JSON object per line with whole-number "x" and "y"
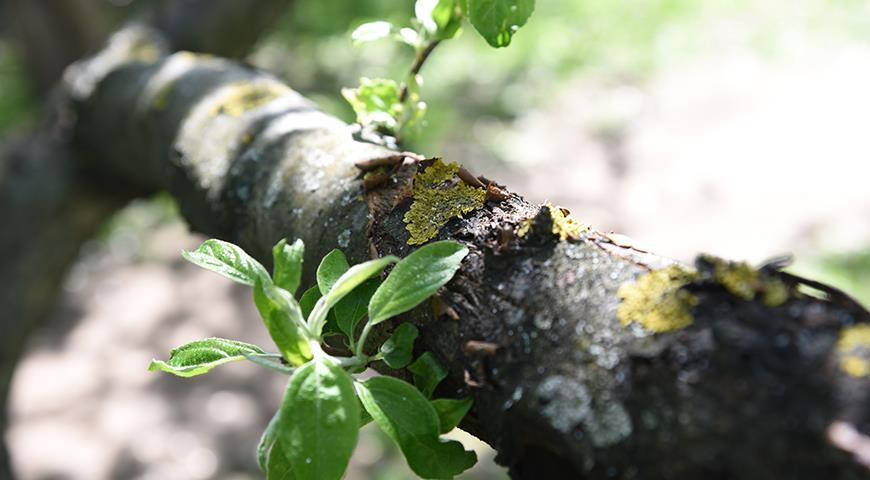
{"x": 314, "y": 432}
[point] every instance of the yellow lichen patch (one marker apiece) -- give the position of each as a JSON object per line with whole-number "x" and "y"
{"x": 439, "y": 197}
{"x": 243, "y": 96}
{"x": 657, "y": 300}
{"x": 525, "y": 226}
{"x": 854, "y": 349}
{"x": 854, "y": 366}
{"x": 745, "y": 281}
{"x": 564, "y": 225}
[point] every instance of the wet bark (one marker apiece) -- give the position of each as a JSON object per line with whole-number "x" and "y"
{"x": 745, "y": 390}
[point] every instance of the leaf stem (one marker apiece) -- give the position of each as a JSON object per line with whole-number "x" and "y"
{"x": 422, "y": 55}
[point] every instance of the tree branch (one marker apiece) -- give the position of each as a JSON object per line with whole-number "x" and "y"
{"x": 745, "y": 381}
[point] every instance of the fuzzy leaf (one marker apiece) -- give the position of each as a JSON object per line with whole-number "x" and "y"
{"x": 319, "y": 420}
{"x": 228, "y": 260}
{"x": 331, "y": 268}
{"x": 350, "y": 280}
{"x": 288, "y": 264}
{"x": 196, "y": 358}
{"x": 415, "y": 278}
{"x": 283, "y": 319}
{"x": 401, "y": 411}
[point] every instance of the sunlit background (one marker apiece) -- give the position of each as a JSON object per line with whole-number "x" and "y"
{"x": 734, "y": 127}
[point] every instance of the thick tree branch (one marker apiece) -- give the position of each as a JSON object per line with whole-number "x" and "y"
{"x": 744, "y": 379}
{"x": 51, "y": 200}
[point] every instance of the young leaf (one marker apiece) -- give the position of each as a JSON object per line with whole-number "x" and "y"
{"x": 498, "y": 20}
{"x": 228, "y": 260}
{"x": 196, "y": 358}
{"x": 410, "y": 420}
{"x": 451, "y": 411}
{"x": 345, "y": 284}
{"x": 353, "y": 307}
{"x": 284, "y": 321}
{"x": 270, "y": 434}
{"x": 288, "y": 264}
{"x": 376, "y": 102}
{"x": 428, "y": 373}
{"x": 397, "y": 350}
{"x": 416, "y": 278}
{"x": 371, "y": 31}
{"x": 441, "y": 18}
{"x": 319, "y": 420}
{"x": 279, "y": 465}
{"x": 331, "y": 268}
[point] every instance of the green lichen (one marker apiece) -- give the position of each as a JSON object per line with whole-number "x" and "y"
{"x": 854, "y": 349}
{"x": 240, "y": 97}
{"x": 657, "y": 300}
{"x": 438, "y": 197}
{"x": 746, "y": 282}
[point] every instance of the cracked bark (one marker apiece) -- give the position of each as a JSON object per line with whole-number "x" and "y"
{"x": 746, "y": 391}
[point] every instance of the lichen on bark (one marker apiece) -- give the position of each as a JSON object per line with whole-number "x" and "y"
{"x": 439, "y": 196}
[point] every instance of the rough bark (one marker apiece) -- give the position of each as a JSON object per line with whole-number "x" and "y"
{"x": 51, "y": 199}
{"x": 746, "y": 390}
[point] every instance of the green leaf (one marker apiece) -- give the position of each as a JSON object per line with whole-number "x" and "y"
{"x": 279, "y": 465}
{"x": 319, "y": 420}
{"x": 267, "y": 440}
{"x": 283, "y": 319}
{"x": 288, "y": 264}
{"x": 308, "y": 300}
{"x": 354, "y": 306}
{"x": 440, "y": 18}
{"x": 376, "y": 102}
{"x": 428, "y": 373}
{"x": 228, "y": 260}
{"x": 399, "y": 348}
{"x": 498, "y": 20}
{"x": 401, "y": 411}
{"x": 371, "y": 31}
{"x": 346, "y": 283}
{"x": 196, "y": 358}
{"x": 331, "y": 268}
{"x": 451, "y": 411}
{"x": 416, "y": 278}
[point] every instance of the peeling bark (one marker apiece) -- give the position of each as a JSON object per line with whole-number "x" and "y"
{"x": 746, "y": 390}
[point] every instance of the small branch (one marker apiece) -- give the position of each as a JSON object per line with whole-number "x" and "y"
{"x": 415, "y": 68}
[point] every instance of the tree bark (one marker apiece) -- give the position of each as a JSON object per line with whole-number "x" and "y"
{"x": 52, "y": 199}
{"x": 564, "y": 388}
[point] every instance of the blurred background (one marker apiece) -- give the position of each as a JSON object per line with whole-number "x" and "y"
{"x": 734, "y": 127}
